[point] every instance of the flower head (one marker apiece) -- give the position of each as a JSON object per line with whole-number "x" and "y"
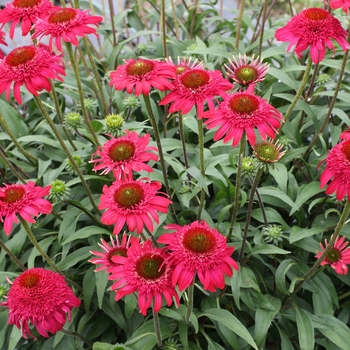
{"x": 194, "y": 87}
{"x": 59, "y": 190}
{"x": 272, "y": 234}
{"x": 2, "y": 42}
{"x": 66, "y": 24}
{"x": 344, "y": 4}
{"x": 132, "y": 202}
{"x": 244, "y": 72}
{"x": 72, "y": 120}
{"x": 146, "y": 272}
{"x": 40, "y": 297}
{"x": 118, "y": 248}
{"x": 184, "y": 64}
{"x": 25, "y": 12}
{"x": 114, "y": 124}
{"x": 25, "y": 200}
{"x": 338, "y": 257}
{"x": 268, "y": 152}
{"x": 141, "y": 74}
{"x": 338, "y": 170}
{"x": 124, "y": 154}
{"x": 242, "y": 112}
{"x": 198, "y": 249}
{"x": 316, "y": 28}
{"x": 32, "y": 66}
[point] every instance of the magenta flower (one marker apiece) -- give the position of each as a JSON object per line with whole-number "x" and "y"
{"x": 316, "y": 28}
{"x": 344, "y": 4}
{"x": 25, "y": 200}
{"x": 42, "y": 298}
{"x": 146, "y": 272}
{"x": 2, "y": 42}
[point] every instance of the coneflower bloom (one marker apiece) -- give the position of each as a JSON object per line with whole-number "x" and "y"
{"x": 338, "y": 257}
{"x": 25, "y": 200}
{"x": 65, "y": 24}
{"x": 344, "y": 4}
{"x": 32, "y": 66}
{"x": 316, "y": 28}
{"x": 194, "y": 87}
{"x": 198, "y": 249}
{"x": 2, "y": 42}
{"x": 133, "y": 203}
{"x": 244, "y": 72}
{"x": 184, "y": 64}
{"x": 268, "y": 151}
{"x": 25, "y": 12}
{"x": 42, "y": 298}
{"x": 242, "y": 112}
{"x": 140, "y": 75}
{"x": 117, "y": 248}
{"x": 337, "y": 170}
{"x": 146, "y": 272}
{"x": 125, "y": 154}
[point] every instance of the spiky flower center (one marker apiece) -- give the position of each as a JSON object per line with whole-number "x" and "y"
{"x": 195, "y": 78}
{"x": 114, "y": 120}
{"x": 13, "y": 194}
{"x": 333, "y": 255}
{"x": 266, "y": 152}
{"x": 21, "y": 55}
{"x": 346, "y": 149}
{"x": 199, "y": 240}
{"x": 139, "y": 67}
{"x": 29, "y": 280}
{"x": 118, "y": 251}
{"x": 246, "y": 74}
{"x": 62, "y": 15}
{"x": 316, "y": 14}
{"x": 243, "y": 103}
{"x": 122, "y": 150}
{"x": 25, "y": 3}
{"x": 128, "y": 195}
{"x": 150, "y": 266}
{"x": 58, "y": 187}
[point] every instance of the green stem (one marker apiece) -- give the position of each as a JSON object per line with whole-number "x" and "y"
{"x": 238, "y": 187}
{"x": 97, "y": 76}
{"x": 325, "y": 121}
{"x": 327, "y": 249}
{"x": 32, "y": 159}
{"x": 111, "y": 11}
{"x": 249, "y": 211}
{"x": 11, "y": 167}
{"x": 153, "y": 121}
{"x": 80, "y": 91}
{"x": 162, "y": 18}
{"x": 299, "y": 92}
{"x": 12, "y": 256}
{"x": 190, "y": 292}
{"x": 65, "y": 149}
{"x": 157, "y": 327}
{"x": 262, "y": 27}
{"x": 201, "y": 165}
{"x": 37, "y": 245}
{"x": 183, "y": 143}
{"x": 239, "y": 22}
{"x": 77, "y": 335}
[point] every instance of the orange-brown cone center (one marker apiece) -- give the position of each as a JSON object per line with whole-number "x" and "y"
{"x": 121, "y": 150}
{"x": 243, "y": 103}
{"x": 25, "y": 3}
{"x": 150, "y": 266}
{"x": 199, "y": 240}
{"x": 195, "y": 78}
{"x": 128, "y": 195}
{"x": 13, "y": 194}
{"x": 62, "y": 15}
{"x": 316, "y": 14}
{"x": 29, "y": 280}
{"x": 139, "y": 67}
{"x": 21, "y": 55}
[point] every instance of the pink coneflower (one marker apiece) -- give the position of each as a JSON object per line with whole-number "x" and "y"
{"x": 268, "y": 151}
{"x": 337, "y": 257}
{"x": 193, "y": 87}
{"x": 66, "y": 24}
{"x": 313, "y": 27}
{"x": 125, "y": 154}
{"x": 337, "y": 170}
{"x": 40, "y": 297}
{"x": 25, "y": 200}
{"x": 244, "y": 72}
{"x": 25, "y": 12}
{"x": 242, "y": 112}
{"x": 344, "y": 4}
{"x": 2, "y": 42}
{"x": 198, "y": 249}
{"x": 32, "y": 66}
{"x": 141, "y": 74}
{"x": 184, "y": 64}
{"x": 132, "y": 202}
{"x": 118, "y": 248}
{"x": 146, "y": 272}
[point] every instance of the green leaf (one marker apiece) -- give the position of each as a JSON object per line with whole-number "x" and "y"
{"x": 268, "y": 249}
{"x": 101, "y": 284}
{"x": 280, "y": 276}
{"x": 305, "y": 193}
{"x": 15, "y": 336}
{"x": 279, "y": 172}
{"x": 228, "y": 320}
{"x": 277, "y": 193}
{"x": 283, "y": 77}
{"x": 305, "y": 330}
{"x": 85, "y": 233}
{"x": 13, "y": 120}
{"x": 73, "y": 258}
{"x": 298, "y": 233}
{"x": 236, "y": 287}
{"x": 101, "y": 346}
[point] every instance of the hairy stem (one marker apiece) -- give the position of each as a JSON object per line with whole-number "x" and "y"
{"x": 157, "y": 327}
{"x": 201, "y": 165}
{"x": 190, "y": 292}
